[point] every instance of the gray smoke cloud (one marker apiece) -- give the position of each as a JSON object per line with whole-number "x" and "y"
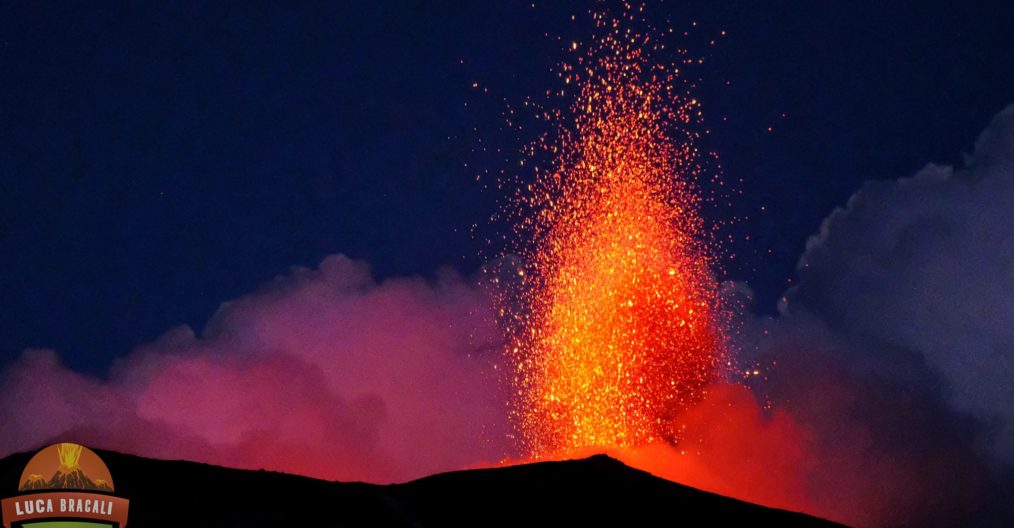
{"x": 897, "y": 343}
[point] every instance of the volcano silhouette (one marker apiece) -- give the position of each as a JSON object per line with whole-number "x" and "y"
{"x": 596, "y": 491}
{"x": 34, "y": 482}
{"x": 75, "y": 479}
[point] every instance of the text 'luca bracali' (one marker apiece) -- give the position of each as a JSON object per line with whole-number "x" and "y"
{"x": 65, "y": 485}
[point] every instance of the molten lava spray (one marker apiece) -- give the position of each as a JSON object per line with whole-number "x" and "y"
{"x": 619, "y": 331}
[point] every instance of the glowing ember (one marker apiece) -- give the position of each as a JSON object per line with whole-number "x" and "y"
{"x": 618, "y": 330}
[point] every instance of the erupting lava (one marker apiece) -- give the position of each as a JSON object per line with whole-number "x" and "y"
{"x": 619, "y": 330}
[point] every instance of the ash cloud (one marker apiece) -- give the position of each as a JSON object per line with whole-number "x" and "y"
{"x": 324, "y": 372}
{"x": 896, "y": 348}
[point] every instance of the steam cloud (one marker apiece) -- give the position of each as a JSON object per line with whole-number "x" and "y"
{"x": 888, "y": 371}
{"x": 895, "y": 351}
{"x": 324, "y": 373}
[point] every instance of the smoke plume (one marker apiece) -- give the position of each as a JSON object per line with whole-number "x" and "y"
{"x": 324, "y": 373}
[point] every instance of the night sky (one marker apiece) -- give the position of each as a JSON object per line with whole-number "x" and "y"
{"x": 157, "y": 161}
{"x": 252, "y": 235}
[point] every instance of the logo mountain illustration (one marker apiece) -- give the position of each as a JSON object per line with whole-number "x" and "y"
{"x": 76, "y": 479}
{"x": 68, "y": 475}
{"x": 78, "y": 491}
{"x": 33, "y": 482}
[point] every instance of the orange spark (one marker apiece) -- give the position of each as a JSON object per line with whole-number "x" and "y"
{"x": 619, "y": 328}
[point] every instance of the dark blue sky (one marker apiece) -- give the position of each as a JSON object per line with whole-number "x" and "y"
{"x": 156, "y": 161}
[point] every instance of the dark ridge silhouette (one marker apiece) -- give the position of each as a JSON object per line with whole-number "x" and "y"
{"x": 594, "y": 491}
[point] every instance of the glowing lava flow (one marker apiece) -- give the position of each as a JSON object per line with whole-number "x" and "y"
{"x": 619, "y": 330}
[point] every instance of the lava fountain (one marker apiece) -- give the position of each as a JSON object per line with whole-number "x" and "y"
{"x": 618, "y": 326}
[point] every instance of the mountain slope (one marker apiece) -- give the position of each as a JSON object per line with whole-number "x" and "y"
{"x": 76, "y": 479}
{"x": 593, "y": 491}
